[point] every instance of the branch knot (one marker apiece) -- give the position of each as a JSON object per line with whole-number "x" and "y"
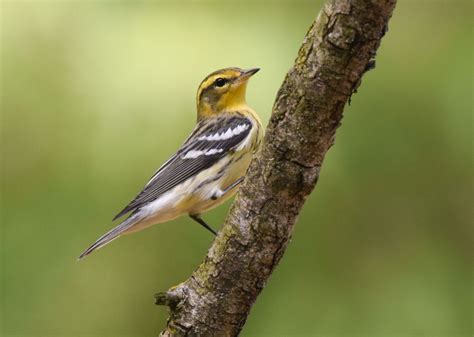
{"x": 171, "y": 298}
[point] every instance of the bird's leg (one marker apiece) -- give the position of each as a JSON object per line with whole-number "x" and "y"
{"x": 220, "y": 193}
{"x": 200, "y": 221}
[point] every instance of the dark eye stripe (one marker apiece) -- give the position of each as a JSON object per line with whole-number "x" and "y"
{"x": 209, "y": 82}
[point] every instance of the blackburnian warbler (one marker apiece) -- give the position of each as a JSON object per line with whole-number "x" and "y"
{"x": 208, "y": 167}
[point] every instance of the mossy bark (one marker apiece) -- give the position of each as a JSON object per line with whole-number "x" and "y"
{"x": 338, "y": 49}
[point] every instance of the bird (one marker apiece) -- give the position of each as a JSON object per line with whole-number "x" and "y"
{"x": 208, "y": 167}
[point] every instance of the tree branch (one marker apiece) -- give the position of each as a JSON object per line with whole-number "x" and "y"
{"x": 338, "y": 49}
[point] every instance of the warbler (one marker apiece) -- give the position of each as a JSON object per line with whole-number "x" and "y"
{"x": 208, "y": 168}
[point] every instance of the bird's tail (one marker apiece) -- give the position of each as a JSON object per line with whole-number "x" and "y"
{"x": 112, "y": 234}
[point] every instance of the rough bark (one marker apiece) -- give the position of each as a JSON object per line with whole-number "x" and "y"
{"x": 338, "y": 49}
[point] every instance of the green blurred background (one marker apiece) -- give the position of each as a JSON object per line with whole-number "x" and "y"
{"x": 96, "y": 95}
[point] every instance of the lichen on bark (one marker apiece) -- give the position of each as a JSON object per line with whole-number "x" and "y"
{"x": 337, "y": 50}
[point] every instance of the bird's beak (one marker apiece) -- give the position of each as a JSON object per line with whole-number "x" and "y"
{"x": 245, "y": 74}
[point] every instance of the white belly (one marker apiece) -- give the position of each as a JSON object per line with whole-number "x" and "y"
{"x": 194, "y": 196}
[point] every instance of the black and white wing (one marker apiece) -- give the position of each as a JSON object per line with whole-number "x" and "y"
{"x": 210, "y": 141}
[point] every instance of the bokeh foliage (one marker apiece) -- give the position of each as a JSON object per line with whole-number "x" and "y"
{"x": 95, "y": 95}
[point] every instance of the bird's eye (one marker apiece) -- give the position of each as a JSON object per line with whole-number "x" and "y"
{"x": 220, "y": 82}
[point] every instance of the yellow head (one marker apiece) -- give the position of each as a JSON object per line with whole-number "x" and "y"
{"x": 223, "y": 90}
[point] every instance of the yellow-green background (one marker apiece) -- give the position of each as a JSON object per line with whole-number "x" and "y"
{"x": 95, "y": 95}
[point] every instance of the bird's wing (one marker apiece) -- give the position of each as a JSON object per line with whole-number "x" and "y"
{"x": 210, "y": 141}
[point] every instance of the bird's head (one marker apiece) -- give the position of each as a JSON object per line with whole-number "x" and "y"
{"x": 223, "y": 90}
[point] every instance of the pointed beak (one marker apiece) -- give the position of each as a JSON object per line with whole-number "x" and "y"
{"x": 248, "y": 73}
